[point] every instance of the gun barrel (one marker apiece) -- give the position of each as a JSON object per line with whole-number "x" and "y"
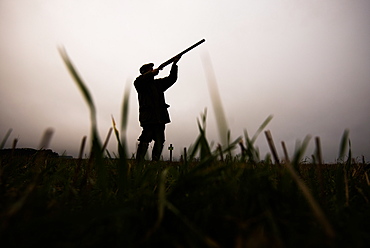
{"x": 180, "y": 54}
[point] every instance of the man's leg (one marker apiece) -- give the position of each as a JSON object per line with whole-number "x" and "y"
{"x": 159, "y": 138}
{"x": 141, "y": 151}
{"x": 144, "y": 140}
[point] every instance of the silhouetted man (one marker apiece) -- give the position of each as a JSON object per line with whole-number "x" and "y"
{"x": 153, "y": 114}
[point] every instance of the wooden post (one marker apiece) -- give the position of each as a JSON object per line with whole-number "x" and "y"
{"x": 170, "y": 148}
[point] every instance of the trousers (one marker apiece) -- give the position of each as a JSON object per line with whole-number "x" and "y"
{"x": 151, "y": 132}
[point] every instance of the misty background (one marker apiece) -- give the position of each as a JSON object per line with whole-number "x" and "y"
{"x": 307, "y": 63}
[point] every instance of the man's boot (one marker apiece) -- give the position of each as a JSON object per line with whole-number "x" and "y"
{"x": 141, "y": 151}
{"x": 157, "y": 151}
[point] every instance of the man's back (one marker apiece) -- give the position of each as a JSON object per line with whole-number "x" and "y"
{"x": 152, "y": 104}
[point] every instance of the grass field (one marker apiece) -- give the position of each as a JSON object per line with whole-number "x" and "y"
{"x": 58, "y": 202}
{"x": 210, "y": 199}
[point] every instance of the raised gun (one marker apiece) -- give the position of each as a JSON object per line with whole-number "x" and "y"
{"x": 180, "y": 54}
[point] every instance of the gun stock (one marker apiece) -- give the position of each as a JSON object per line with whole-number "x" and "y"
{"x": 180, "y": 54}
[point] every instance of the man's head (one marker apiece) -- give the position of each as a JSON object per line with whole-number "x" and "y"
{"x": 146, "y": 68}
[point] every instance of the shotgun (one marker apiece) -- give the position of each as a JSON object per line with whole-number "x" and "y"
{"x": 180, "y": 54}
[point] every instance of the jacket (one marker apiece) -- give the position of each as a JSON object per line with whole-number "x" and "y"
{"x": 152, "y": 104}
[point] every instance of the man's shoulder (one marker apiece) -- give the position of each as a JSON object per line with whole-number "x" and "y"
{"x": 140, "y": 78}
{"x": 145, "y": 77}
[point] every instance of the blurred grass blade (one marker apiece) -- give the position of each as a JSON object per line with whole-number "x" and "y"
{"x": 96, "y": 153}
{"x": 205, "y": 150}
{"x": 46, "y": 138}
{"x": 347, "y": 172}
{"x": 5, "y": 138}
{"x": 285, "y": 152}
{"x": 251, "y": 152}
{"x": 107, "y": 139}
{"x": 15, "y": 141}
{"x": 260, "y": 129}
{"x": 318, "y": 151}
{"x": 84, "y": 90}
{"x": 124, "y": 168}
{"x": 216, "y": 99}
{"x": 300, "y": 150}
{"x": 343, "y": 144}
{"x": 125, "y": 110}
{"x": 122, "y": 165}
{"x": 271, "y": 144}
{"x": 201, "y": 143}
{"x": 82, "y": 147}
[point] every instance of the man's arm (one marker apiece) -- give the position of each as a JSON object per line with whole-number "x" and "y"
{"x": 165, "y": 83}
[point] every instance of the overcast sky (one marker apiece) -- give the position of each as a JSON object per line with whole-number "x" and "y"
{"x": 307, "y": 63}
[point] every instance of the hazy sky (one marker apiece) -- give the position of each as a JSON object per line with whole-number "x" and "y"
{"x": 307, "y": 63}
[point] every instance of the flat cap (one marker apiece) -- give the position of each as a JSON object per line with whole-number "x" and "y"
{"x": 146, "y": 67}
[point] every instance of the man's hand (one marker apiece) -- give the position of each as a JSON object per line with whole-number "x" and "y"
{"x": 155, "y": 72}
{"x": 176, "y": 59}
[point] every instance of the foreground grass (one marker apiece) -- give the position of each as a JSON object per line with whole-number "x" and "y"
{"x": 59, "y": 203}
